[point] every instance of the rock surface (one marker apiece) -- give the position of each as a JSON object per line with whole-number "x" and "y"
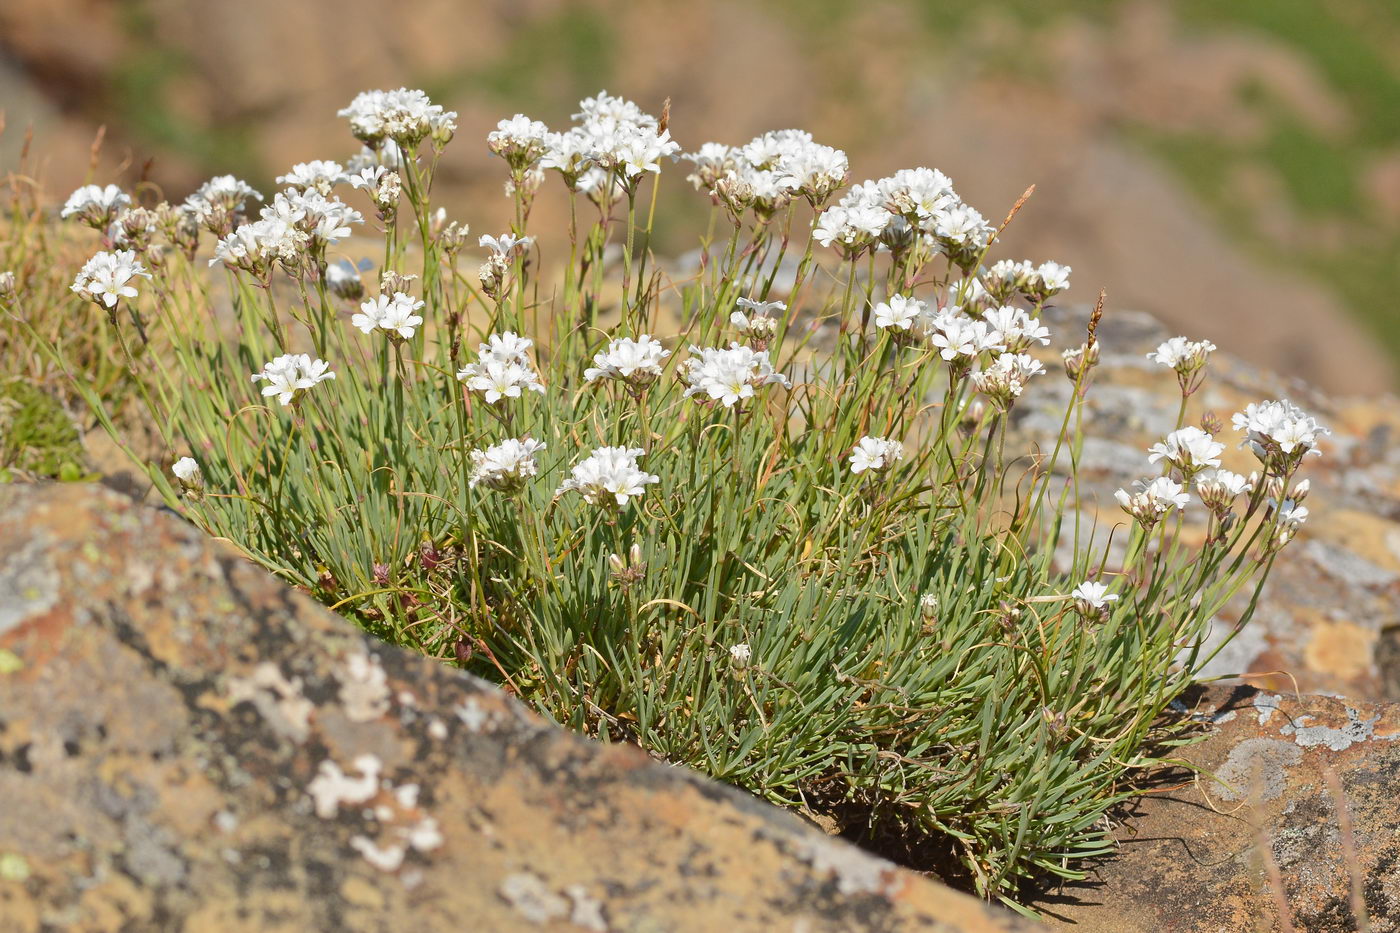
{"x": 1278, "y": 773}
{"x": 185, "y": 743}
{"x": 1329, "y": 619}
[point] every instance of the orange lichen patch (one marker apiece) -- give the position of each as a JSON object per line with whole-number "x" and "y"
{"x": 1340, "y": 648}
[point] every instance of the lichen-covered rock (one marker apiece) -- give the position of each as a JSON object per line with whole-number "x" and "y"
{"x": 185, "y": 743}
{"x": 1260, "y": 829}
{"x": 1329, "y": 620}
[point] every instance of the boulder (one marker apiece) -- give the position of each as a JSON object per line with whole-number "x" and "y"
{"x": 1293, "y": 810}
{"x": 186, "y": 743}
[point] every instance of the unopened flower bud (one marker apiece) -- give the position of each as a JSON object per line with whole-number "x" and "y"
{"x": 391, "y": 282}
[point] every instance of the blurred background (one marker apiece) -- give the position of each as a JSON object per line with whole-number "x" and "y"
{"x": 1231, "y": 166}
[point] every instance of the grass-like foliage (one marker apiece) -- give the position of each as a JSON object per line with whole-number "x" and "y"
{"x": 783, "y": 542}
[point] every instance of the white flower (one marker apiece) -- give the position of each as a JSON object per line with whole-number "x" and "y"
{"x": 1183, "y": 355}
{"x": 1279, "y": 432}
{"x": 1289, "y": 517}
{"x": 1218, "y": 489}
{"x": 405, "y": 116}
{"x": 740, "y": 655}
{"x": 962, "y": 226}
{"x": 899, "y": 313}
{"x": 255, "y": 246}
{"x": 1049, "y": 278}
{"x": 1189, "y": 449}
{"x": 320, "y": 175}
{"x": 496, "y": 379}
{"x": 393, "y": 315}
{"x": 290, "y": 375}
{"x": 322, "y": 219}
{"x": 875, "y": 454}
{"x": 219, "y": 203}
{"x": 519, "y": 140}
{"x": 1006, "y": 277}
{"x": 962, "y": 338}
{"x": 609, "y": 477}
{"x": 757, "y": 325}
{"x": 728, "y": 376}
{"x": 1016, "y": 328}
{"x": 381, "y": 183}
{"x": 1005, "y": 380}
{"x": 503, "y": 368}
{"x": 636, "y": 362}
{"x": 186, "y": 470}
{"x": 107, "y": 277}
{"x": 505, "y": 466}
{"x": 1091, "y": 599}
{"x": 505, "y": 244}
{"x": 1153, "y": 499}
{"x": 95, "y": 206}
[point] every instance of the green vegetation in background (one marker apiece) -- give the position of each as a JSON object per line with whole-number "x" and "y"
{"x": 140, "y": 94}
{"x": 36, "y": 435}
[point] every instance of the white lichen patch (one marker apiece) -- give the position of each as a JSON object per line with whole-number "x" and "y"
{"x": 1258, "y": 769}
{"x": 332, "y": 787}
{"x": 532, "y": 898}
{"x": 1266, "y": 704}
{"x": 854, "y": 871}
{"x": 1216, "y": 718}
{"x": 588, "y": 910}
{"x": 276, "y": 698}
{"x": 437, "y": 729}
{"x": 364, "y": 688}
{"x": 474, "y": 716}
{"x": 1333, "y": 737}
{"x": 388, "y": 858}
{"x": 402, "y": 826}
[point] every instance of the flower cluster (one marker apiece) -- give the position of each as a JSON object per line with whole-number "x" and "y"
{"x": 913, "y": 207}
{"x": 107, "y": 277}
{"x": 1153, "y": 499}
{"x": 1280, "y": 433}
{"x": 1188, "y": 450}
{"x": 382, "y": 184}
{"x": 609, "y": 477}
{"x": 395, "y": 315}
{"x": 1186, "y": 357}
{"x": 289, "y": 376}
{"x": 637, "y": 363}
{"x": 404, "y": 116}
{"x": 768, "y": 172}
{"x": 1219, "y": 489}
{"x": 756, "y": 325}
{"x": 506, "y": 466}
{"x": 728, "y": 375}
{"x": 1005, "y": 379}
{"x": 603, "y": 156}
{"x": 1008, "y": 278}
{"x": 95, "y": 206}
{"x": 875, "y": 454}
{"x": 503, "y": 368}
{"x": 319, "y": 175}
{"x": 219, "y": 205}
{"x": 298, "y": 225}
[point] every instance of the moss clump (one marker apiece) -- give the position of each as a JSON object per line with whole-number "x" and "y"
{"x": 36, "y": 435}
